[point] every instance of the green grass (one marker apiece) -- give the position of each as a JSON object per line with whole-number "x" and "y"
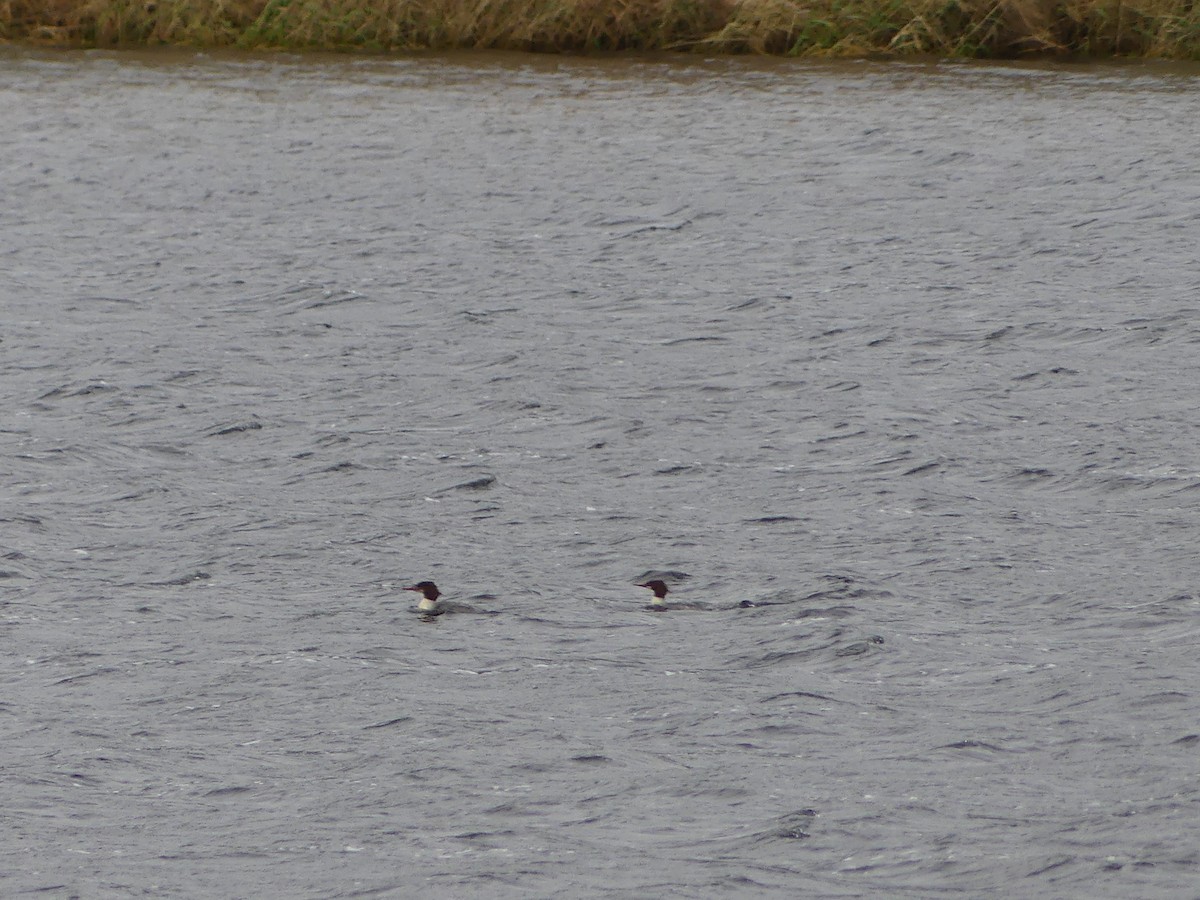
{"x": 956, "y": 28}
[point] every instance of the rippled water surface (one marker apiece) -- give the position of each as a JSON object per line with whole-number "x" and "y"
{"x": 905, "y": 355}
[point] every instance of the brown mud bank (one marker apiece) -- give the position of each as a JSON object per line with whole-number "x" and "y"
{"x": 1168, "y": 29}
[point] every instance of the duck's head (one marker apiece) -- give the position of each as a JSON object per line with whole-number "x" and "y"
{"x": 429, "y": 593}
{"x": 660, "y": 591}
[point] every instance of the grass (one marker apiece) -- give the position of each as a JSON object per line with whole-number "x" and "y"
{"x": 963, "y": 28}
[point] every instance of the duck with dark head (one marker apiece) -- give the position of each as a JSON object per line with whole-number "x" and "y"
{"x": 428, "y": 607}
{"x": 659, "y": 587}
{"x": 432, "y": 606}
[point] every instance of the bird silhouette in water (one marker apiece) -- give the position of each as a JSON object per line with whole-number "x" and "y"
{"x": 429, "y": 607}
{"x": 659, "y": 603}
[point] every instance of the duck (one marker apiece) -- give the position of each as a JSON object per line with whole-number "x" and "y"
{"x": 430, "y": 606}
{"x": 659, "y": 587}
{"x": 429, "y": 592}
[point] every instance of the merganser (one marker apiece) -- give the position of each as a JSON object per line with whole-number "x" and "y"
{"x": 660, "y": 593}
{"x": 429, "y": 597}
{"x": 430, "y": 607}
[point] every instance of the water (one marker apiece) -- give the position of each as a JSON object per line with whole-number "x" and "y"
{"x": 904, "y": 354}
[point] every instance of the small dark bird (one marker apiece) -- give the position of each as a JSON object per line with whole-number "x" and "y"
{"x": 429, "y": 597}
{"x": 660, "y": 593}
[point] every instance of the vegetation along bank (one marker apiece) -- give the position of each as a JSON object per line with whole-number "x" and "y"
{"x": 1168, "y": 29}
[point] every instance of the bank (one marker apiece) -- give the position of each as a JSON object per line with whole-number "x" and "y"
{"x": 1002, "y": 29}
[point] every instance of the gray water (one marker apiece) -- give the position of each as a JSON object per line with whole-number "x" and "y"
{"x": 904, "y": 354}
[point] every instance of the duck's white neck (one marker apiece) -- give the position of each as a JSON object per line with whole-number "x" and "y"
{"x": 659, "y": 601}
{"x": 427, "y": 605}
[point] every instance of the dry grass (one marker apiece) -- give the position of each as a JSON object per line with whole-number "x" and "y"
{"x": 977, "y": 28}
{"x": 973, "y": 28}
{"x": 545, "y": 25}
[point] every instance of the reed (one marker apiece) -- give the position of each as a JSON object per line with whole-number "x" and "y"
{"x": 971, "y": 28}
{"x": 540, "y": 25}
